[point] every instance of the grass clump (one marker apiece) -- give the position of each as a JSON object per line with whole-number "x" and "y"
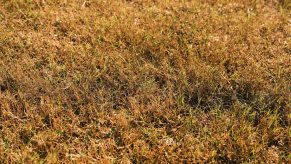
{"x": 144, "y": 81}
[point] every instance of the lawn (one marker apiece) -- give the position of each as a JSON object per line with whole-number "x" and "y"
{"x": 145, "y": 81}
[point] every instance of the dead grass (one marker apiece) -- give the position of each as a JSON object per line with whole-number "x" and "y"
{"x": 144, "y": 81}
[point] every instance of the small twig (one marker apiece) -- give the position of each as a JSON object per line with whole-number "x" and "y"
{"x": 84, "y": 4}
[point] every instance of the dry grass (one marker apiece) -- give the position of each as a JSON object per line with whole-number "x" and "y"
{"x": 134, "y": 81}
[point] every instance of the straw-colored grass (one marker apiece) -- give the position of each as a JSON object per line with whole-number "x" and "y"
{"x": 154, "y": 81}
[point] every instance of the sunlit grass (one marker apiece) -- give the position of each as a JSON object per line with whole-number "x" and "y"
{"x": 144, "y": 81}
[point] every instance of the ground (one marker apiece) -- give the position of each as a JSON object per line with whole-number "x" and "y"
{"x": 145, "y": 81}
